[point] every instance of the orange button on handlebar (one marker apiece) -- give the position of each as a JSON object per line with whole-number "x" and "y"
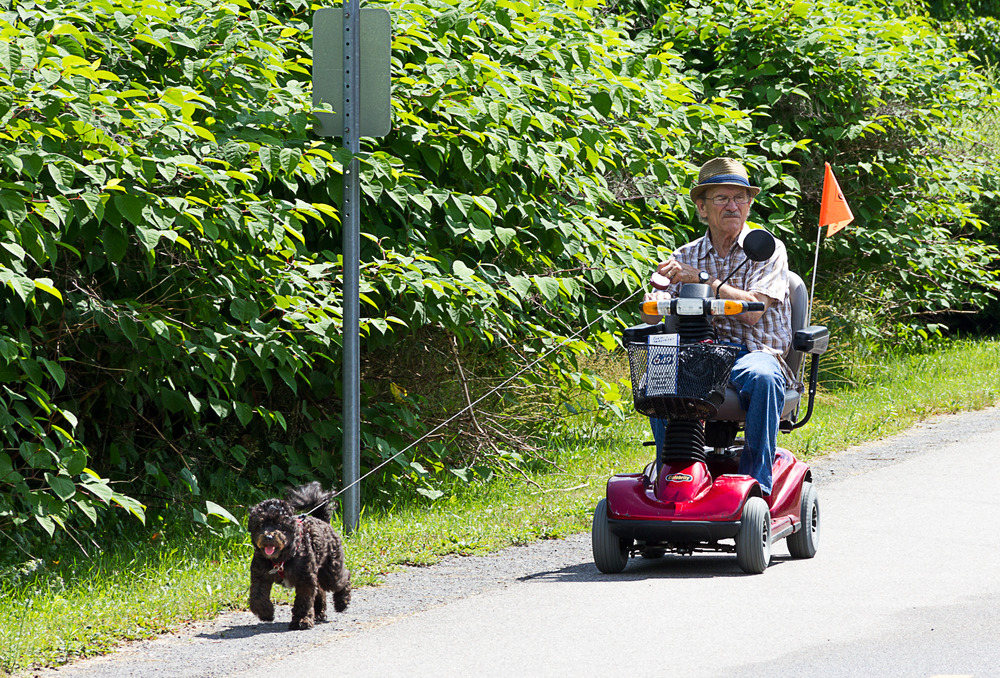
{"x": 733, "y": 307}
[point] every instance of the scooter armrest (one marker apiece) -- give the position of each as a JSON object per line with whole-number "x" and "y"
{"x": 813, "y": 339}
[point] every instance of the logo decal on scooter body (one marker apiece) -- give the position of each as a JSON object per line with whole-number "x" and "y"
{"x": 678, "y": 478}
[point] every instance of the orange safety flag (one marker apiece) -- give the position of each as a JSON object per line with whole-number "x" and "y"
{"x": 833, "y": 210}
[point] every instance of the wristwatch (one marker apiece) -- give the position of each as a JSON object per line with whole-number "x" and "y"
{"x": 703, "y": 277}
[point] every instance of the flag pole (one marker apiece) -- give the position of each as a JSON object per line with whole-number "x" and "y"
{"x": 812, "y": 288}
{"x": 812, "y": 292}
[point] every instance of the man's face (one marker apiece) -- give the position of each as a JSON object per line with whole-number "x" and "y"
{"x": 721, "y": 209}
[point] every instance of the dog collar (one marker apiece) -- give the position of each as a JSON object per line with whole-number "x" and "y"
{"x": 278, "y": 570}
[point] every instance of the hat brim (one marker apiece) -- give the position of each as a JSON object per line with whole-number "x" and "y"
{"x": 697, "y": 191}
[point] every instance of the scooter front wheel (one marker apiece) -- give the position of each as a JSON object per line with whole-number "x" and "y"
{"x": 753, "y": 541}
{"x": 610, "y": 551}
{"x": 803, "y": 543}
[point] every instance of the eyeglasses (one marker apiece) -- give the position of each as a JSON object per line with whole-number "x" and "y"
{"x": 723, "y": 200}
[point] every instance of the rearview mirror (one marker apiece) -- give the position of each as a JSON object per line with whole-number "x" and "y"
{"x": 758, "y": 245}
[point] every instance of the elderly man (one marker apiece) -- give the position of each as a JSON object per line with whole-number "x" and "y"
{"x": 723, "y": 198}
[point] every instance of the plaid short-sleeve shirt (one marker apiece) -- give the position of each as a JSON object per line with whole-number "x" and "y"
{"x": 773, "y": 332}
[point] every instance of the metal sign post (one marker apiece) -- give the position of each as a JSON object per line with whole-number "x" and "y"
{"x": 353, "y": 116}
{"x": 352, "y": 263}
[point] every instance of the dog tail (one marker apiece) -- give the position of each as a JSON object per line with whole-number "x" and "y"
{"x": 311, "y": 498}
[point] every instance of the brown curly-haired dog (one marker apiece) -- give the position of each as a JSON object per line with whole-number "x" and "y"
{"x": 298, "y": 551}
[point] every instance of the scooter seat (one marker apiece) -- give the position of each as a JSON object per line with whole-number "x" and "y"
{"x": 730, "y": 409}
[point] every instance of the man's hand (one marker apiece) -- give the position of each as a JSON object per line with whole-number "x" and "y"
{"x": 677, "y": 272}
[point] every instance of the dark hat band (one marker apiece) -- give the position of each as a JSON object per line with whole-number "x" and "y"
{"x": 726, "y": 179}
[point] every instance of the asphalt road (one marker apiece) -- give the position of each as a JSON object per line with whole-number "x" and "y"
{"x": 906, "y": 583}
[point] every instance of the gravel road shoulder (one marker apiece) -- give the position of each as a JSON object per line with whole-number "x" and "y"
{"x": 236, "y": 642}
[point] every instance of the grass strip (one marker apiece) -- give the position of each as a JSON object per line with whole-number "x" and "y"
{"x": 85, "y": 606}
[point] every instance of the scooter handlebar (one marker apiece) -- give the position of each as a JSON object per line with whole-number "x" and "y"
{"x": 700, "y": 307}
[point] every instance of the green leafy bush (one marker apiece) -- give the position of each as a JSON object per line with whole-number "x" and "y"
{"x": 977, "y": 35}
{"x": 972, "y": 24}
{"x": 171, "y": 311}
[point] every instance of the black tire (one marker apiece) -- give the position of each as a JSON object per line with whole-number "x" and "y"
{"x": 803, "y": 544}
{"x": 753, "y": 541}
{"x": 610, "y": 551}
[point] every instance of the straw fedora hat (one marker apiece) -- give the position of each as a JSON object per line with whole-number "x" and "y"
{"x": 723, "y": 172}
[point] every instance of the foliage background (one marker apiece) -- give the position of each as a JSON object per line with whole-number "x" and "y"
{"x": 170, "y": 236}
{"x": 973, "y": 25}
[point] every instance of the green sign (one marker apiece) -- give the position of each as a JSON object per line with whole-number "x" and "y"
{"x": 328, "y": 71}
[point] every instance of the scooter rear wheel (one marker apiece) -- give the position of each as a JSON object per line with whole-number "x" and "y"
{"x": 753, "y": 541}
{"x": 610, "y": 551}
{"x": 803, "y": 543}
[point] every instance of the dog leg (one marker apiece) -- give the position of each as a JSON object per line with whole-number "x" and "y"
{"x": 260, "y": 598}
{"x": 302, "y": 608}
{"x": 320, "y": 604}
{"x": 336, "y": 578}
{"x": 342, "y": 590}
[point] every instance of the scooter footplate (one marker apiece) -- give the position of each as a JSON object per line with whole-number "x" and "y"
{"x": 674, "y": 532}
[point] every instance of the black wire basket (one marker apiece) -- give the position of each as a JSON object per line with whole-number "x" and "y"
{"x": 680, "y": 382}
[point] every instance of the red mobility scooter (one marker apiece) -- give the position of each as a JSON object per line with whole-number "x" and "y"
{"x": 691, "y": 498}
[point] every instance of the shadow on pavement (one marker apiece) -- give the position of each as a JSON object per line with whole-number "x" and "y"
{"x": 242, "y": 631}
{"x": 667, "y": 567}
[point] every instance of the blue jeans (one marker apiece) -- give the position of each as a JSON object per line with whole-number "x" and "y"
{"x": 758, "y": 379}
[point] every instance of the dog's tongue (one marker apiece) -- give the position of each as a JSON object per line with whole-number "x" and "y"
{"x": 269, "y": 550}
